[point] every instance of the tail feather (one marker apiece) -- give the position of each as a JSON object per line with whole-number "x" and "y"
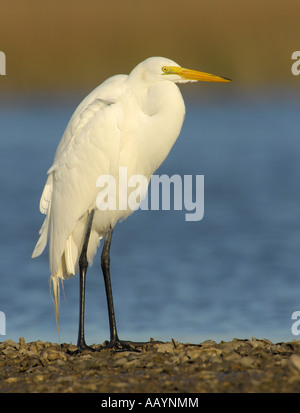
{"x": 68, "y": 264}
{"x": 42, "y": 241}
{"x": 54, "y": 283}
{"x": 70, "y": 257}
{"x": 45, "y": 208}
{"x": 67, "y": 269}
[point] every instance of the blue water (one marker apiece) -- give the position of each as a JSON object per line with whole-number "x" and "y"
{"x": 236, "y": 273}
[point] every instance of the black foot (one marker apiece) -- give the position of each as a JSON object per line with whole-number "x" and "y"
{"x": 119, "y": 345}
{"x": 80, "y": 349}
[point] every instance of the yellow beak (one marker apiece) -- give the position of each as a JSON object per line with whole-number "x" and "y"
{"x": 193, "y": 74}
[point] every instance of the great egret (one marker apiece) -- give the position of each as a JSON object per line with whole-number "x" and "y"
{"x": 129, "y": 121}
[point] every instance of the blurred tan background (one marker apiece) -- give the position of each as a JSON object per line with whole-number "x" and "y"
{"x": 61, "y": 44}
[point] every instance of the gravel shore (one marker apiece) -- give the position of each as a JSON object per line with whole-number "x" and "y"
{"x": 238, "y": 366}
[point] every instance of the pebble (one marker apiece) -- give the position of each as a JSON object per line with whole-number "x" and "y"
{"x": 11, "y": 380}
{"x": 10, "y": 343}
{"x": 247, "y": 361}
{"x": 164, "y": 347}
{"x": 295, "y": 361}
{"x": 10, "y": 352}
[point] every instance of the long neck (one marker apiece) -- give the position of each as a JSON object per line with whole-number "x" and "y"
{"x": 166, "y": 111}
{"x": 153, "y": 117}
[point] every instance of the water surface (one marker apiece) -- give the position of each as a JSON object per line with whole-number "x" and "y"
{"x": 233, "y": 274}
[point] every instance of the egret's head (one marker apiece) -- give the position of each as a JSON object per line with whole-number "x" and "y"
{"x": 160, "y": 68}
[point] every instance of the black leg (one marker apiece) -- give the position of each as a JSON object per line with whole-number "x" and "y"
{"x": 105, "y": 265}
{"x": 115, "y": 342}
{"x": 83, "y": 265}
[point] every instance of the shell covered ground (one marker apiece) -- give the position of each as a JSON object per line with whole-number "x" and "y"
{"x": 237, "y": 366}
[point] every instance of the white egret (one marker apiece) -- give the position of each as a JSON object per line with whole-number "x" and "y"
{"x": 129, "y": 121}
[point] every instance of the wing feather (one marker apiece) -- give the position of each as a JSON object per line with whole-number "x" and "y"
{"x": 89, "y": 147}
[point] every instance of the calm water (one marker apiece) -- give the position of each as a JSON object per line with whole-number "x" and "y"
{"x": 236, "y": 273}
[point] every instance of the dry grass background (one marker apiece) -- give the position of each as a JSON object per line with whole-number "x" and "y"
{"x": 61, "y": 44}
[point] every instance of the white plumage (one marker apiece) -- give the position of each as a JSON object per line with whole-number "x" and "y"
{"x": 128, "y": 121}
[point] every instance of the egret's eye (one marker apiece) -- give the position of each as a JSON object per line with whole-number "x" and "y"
{"x": 164, "y": 69}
